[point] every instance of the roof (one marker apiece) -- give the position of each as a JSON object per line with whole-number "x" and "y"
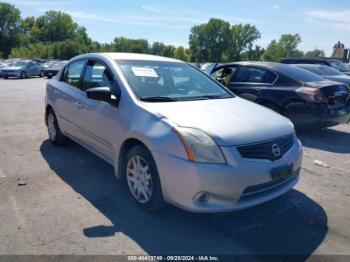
{"x": 271, "y": 65}
{"x": 310, "y": 59}
{"x": 134, "y": 56}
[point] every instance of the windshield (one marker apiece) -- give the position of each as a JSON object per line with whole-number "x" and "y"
{"x": 300, "y": 74}
{"x": 18, "y": 64}
{"x": 169, "y": 81}
{"x": 339, "y": 65}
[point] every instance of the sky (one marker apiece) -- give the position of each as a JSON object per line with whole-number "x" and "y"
{"x": 320, "y": 23}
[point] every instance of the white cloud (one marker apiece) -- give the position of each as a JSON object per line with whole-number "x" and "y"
{"x": 330, "y": 16}
{"x": 275, "y": 7}
{"x": 337, "y": 20}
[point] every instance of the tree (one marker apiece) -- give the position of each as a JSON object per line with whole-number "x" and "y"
{"x": 243, "y": 38}
{"x": 315, "y": 53}
{"x": 210, "y": 41}
{"x": 54, "y": 26}
{"x": 286, "y": 46}
{"x": 181, "y": 54}
{"x": 123, "y": 44}
{"x": 10, "y": 20}
{"x": 253, "y": 54}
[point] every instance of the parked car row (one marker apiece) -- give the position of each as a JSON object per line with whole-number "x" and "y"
{"x": 23, "y": 68}
{"x": 308, "y": 97}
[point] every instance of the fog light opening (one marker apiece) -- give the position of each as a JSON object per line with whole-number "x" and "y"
{"x": 202, "y": 198}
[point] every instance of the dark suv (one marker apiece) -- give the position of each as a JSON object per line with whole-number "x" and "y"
{"x": 332, "y": 62}
{"x": 304, "y": 97}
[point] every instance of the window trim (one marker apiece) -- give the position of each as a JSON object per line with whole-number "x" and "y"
{"x": 63, "y": 78}
{"x": 256, "y": 83}
{"x": 92, "y": 59}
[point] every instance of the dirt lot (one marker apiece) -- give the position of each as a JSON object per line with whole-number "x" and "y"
{"x": 71, "y": 202}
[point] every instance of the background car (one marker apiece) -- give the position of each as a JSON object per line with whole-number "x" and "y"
{"x": 332, "y": 62}
{"x": 52, "y": 69}
{"x": 23, "y": 69}
{"x": 304, "y": 97}
{"x": 326, "y": 72}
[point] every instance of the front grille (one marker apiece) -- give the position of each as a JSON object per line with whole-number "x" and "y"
{"x": 268, "y": 149}
{"x": 338, "y": 99}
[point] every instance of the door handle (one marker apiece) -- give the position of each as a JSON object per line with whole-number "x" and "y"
{"x": 80, "y": 105}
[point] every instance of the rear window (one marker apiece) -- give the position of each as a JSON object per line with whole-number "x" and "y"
{"x": 300, "y": 74}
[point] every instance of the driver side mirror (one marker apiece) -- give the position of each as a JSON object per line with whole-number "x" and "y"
{"x": 102, "y": 94}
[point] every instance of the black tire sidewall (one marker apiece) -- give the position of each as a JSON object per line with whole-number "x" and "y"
{"x": 156, "y": 200}
{"x": 60, "y": 139}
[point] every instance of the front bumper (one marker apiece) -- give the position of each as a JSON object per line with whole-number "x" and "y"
{"x": 225, "y": 185}
{"x": 320, "y": 115}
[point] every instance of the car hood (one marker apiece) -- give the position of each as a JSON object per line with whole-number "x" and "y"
{"x": 232, "y": 121}
{"x": 12, "y": 68}
{"x": 340, "y": 78}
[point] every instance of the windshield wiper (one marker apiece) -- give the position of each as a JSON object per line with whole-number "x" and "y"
{"x": 157, "y": 99}
{"x": 206, "y": 97}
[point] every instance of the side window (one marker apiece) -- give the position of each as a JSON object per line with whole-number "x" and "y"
{"x": 248, "y": 74}
{"x": 73, "y": 72}
{"x": 96, "y": 75}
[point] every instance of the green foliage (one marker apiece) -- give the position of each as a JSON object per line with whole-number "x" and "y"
{"x": 315, "y": 53}
{"x": 210, "y": 41}
{"x": 181, "y": 54}
{"x": 243, "y": 38}
{"x": 286, "y": 46}
{"x": 253, "y": 54}
{"x": 10, "y": 20}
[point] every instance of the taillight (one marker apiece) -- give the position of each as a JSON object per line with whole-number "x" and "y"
{"x": 312, "y": 94}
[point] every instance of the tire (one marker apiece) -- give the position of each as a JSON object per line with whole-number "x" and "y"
{"x": 23, "y": 75}
{"x": 149, "y": 192}
{"x": 55, "y": 135}
{"x": 49, "y": 77}
{"x": 41, "y": 74}
{"x": 6, "y": 77}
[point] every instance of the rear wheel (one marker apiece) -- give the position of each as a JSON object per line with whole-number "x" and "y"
{"x": 55, "y": 134}
{"x": 142, "y": 179}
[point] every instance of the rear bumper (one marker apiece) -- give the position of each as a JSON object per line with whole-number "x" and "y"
{"x": 50, "y": 72}
{"x": 320, "y": 115}
{"x": 241, "y": 183}
{"x": 10, "y": 74}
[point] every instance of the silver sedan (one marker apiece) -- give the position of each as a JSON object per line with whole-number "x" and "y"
{"x": 172, "y": 133}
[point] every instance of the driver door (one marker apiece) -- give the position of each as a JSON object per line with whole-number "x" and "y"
{"x": 95, "y": 121}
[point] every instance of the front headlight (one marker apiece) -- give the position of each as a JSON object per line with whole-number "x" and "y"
{"x": 199, "y": 146}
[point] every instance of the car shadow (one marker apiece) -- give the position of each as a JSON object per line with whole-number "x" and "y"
{"x": 292, "y": 224}
{"x": 326, "y": 139}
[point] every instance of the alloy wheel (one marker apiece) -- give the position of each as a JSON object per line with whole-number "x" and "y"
{"x": 138, "y": 175}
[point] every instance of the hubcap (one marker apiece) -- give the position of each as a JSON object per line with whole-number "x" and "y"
{"x": 138, "y": 176}
{"x": 51, "y": 126}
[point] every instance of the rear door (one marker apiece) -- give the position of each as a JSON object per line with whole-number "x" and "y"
{"x": 248, "y": 81}
{"x": 65, "y": 94}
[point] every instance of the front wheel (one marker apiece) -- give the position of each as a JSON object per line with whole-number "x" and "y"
{"x": 23, "y": 75}
{"x": 142, "y": 179}
{"x": 55, "y": 134}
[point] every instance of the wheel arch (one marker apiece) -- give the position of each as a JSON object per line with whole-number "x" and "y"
{"x": 124, "y": 148}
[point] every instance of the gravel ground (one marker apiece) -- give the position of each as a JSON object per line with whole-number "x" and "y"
{"x": 67, "y": 201}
